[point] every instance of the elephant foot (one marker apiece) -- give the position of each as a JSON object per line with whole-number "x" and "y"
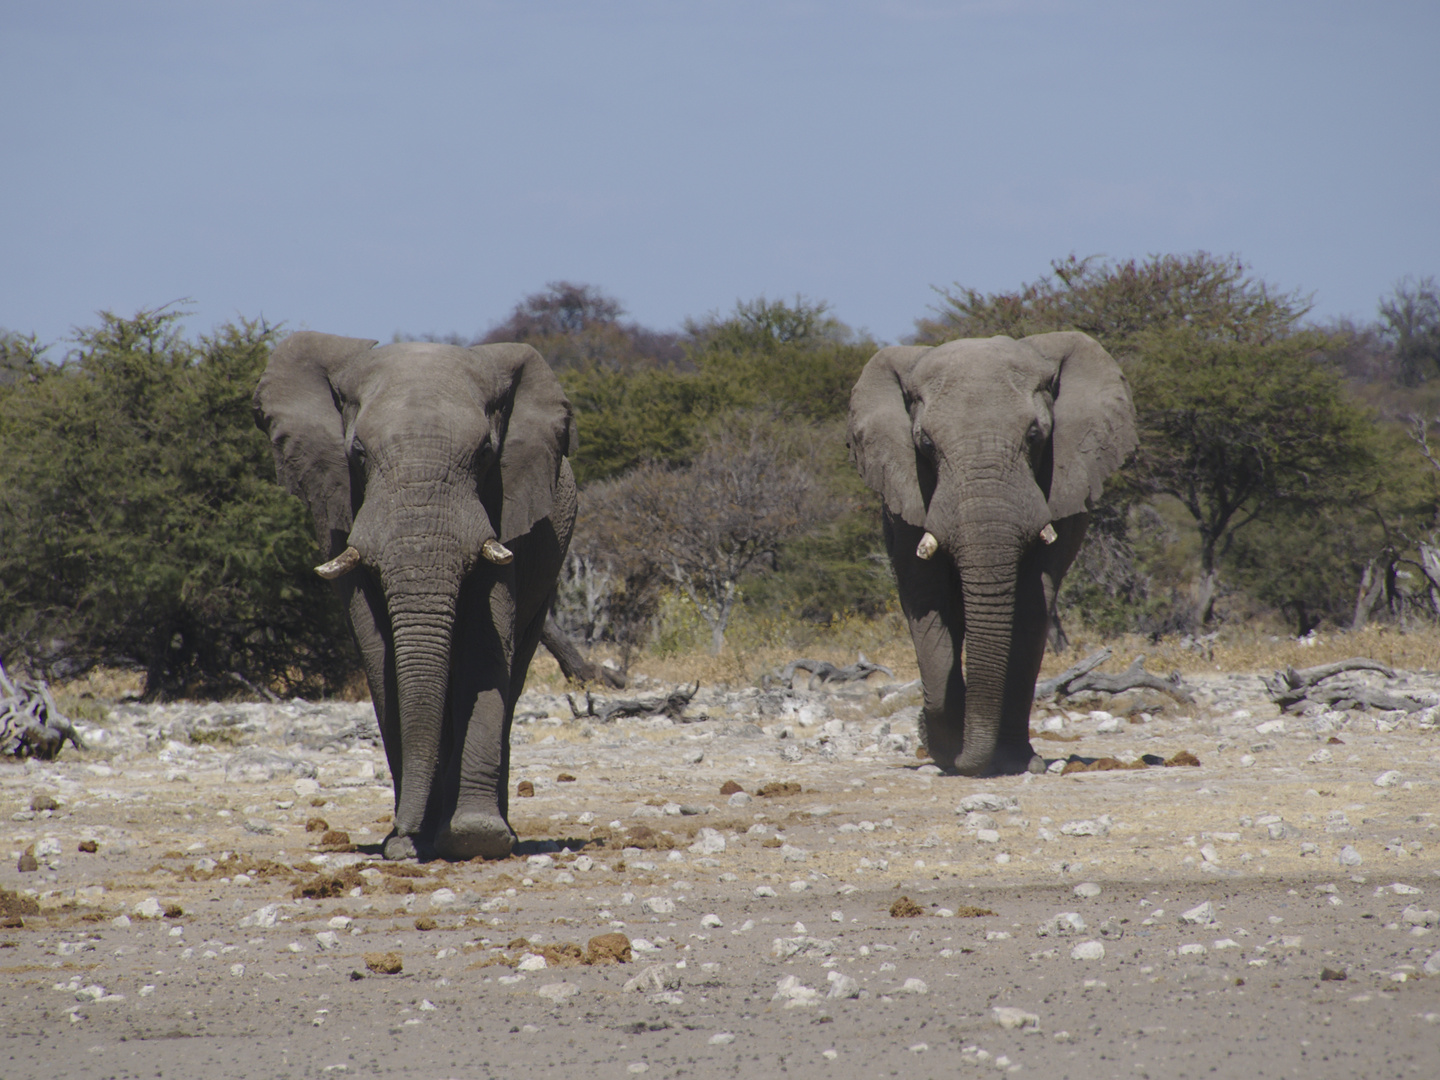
{"x": 400, "y": 847}
{"x": 475, "y": 835}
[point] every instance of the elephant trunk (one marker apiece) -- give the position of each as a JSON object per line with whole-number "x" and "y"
{"x": 991, "y": 543}
{"x": 421, "y": 616}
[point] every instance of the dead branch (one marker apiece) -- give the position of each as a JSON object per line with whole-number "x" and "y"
{"x": 1293, "y": 689}
{"x": 823, "y": 672}
{"x": 671, "y": 705}
{"x": 1056, "y": 685}
{"x": 1135, "y": 677}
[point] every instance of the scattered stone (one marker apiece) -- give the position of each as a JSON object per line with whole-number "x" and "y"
{"x": 1012, "y": 1019}
{"x": 149, "y": 908}
{"x": 843, "y": 986}
{"x": 1088, "y": 950}
{"x": 658, "y": 905}
{"x": 1066, "y": 924}
{"x": 1087, "y": 890}
{"x": 1328, "y": 974}
{"x": 1348, "y": 856}
{"x": 558, "y": 993}
{"x": 795, "y": 993}
{"x": 914, "y": 986}
{"x": 1100, "y": 827}
{"x": 1200, "y": 915}
{"x": 1389, "y": 778}
{"x": 525, "y": 790}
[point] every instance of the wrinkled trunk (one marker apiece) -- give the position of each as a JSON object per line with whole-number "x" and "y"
{"x": 422, "y": 612}
{"x": 989, "y": 593}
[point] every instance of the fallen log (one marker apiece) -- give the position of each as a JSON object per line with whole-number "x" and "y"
{"x": 671, "y": 705}
{"x": 1294, "y": 689}
{"x": 1083, "y": 678}
{"x": 822, "y": 671}
{"x": 1051, "y": 687}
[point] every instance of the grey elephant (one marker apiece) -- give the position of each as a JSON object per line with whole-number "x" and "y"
{"x": 444, "y": 504}
{"x": 987, "y": 454}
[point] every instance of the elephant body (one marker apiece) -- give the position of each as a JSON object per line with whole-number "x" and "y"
{"x": 987, "y": 454}
{"x": 442, "y": 498}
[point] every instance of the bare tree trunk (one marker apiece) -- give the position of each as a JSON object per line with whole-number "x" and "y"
{"x": 1367, "y": 596}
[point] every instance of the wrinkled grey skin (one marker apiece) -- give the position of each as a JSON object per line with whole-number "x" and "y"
{"x": 416, "y": 455}
{"x": 982, "y": 443}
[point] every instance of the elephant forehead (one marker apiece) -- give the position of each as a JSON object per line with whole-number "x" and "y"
{"x": 979, "y": 372}
{"x": 423, "y": 374}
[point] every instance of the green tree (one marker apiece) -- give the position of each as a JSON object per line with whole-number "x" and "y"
{"x": 140, "y": 522}
{"x": 1410, "y": 316}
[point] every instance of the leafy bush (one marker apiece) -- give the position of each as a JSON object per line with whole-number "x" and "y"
{"x": 141, "y": 523}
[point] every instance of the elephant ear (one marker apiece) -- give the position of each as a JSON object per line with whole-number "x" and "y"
{"x": 1094, "y": 419}
{"x": 295, "y": 406}
{"x": 539, "y": 432}
{"x": 879, "y": 436}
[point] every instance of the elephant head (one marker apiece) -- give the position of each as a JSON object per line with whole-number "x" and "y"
{"x": 987, "y": 454}
{"x": 442, "y": 502}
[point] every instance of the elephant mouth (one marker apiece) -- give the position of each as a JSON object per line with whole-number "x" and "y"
{"x": 928, "y": 545}
{"x": 492, "y": 550}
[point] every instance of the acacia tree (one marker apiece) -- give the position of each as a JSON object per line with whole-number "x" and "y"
{"x": 140, "y": 522}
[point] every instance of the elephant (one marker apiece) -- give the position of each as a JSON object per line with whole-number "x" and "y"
{"x": 987, "y": 454}
{"x": 444, "y": 503}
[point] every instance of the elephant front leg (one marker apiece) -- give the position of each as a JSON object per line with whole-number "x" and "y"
{"x": 472, "y": 812}
{"x": 942, "y": 718}
{"x": 477, "y": 827}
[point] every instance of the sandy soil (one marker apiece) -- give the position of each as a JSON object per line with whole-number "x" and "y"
{"x": 1270, "y": 912}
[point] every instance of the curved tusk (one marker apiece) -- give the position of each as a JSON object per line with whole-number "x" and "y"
{"x": 1047, "y": 534}
{"x": 928, "y": 546}
{"x": 343, "y": 563}
{"x": 496, "y": 552}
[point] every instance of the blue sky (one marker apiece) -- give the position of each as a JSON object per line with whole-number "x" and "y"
{"x": 367, "y": 168}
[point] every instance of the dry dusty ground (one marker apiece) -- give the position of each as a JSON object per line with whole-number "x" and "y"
{"x": 1268, "y": 913}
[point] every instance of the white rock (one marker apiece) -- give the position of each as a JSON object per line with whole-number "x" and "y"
{"x": 149, "y": 908}
{"x": 531, "y": 962}
{"x": 722, "y": 1038}
{"x": 711, "y": 921}
{"x": 1088, "y": 950}
{"x": 1200, "y": 915}
{"x": 1097, "y": 827}
{"x": 794, "y": 993}
{"x": 1271, "y": 727}
{"x": 708, "y": 842}
{"x": 306, "y": 786}
{"x": 442, "y": 898}
{"x": 1065, "y": 924}
{"x": 262, "y": 917}
{"x": 327, "y": 940}
{"x": 584, "y": 864}
{"x": 1191, "y": 950}
{"x": 914, "y": 986}
{"x": 654, "y": 979}
{"x": 739, "y": 798}
{"x": 790, "y": 853}
{"x": 987, "y": 836}
{"x": 1414, "y": 916}
{"x": 557, "y": 992}
{"x": 1432, "y": 963}
{"x": 1349, "y": 856}
{"x": 1389, "y": 778}
{"x": 658, "y": 905}
{"x": 1108, "y": 726}
{"x": 1087, "y": 890}
{"x": 764, "y": 891}
{"x": 987, "y": 802}
{"x": 1012, "y": 1019}
{"x": 843, "y": 986}
{"x": 541, "y": 862}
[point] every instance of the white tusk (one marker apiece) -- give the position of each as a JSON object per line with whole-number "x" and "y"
{"x": 1047, "y": 534}
{"x": 343, "y": 563}
{"x": 496, "y": 552}
{"x": 928, "y": 546}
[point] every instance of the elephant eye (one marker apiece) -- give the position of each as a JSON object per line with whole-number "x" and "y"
{"x": 484, "y": 454}
{"x": 925, "y": 443}
{"x": 357, "y": 451}
{"x": 1034, "y": 435}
